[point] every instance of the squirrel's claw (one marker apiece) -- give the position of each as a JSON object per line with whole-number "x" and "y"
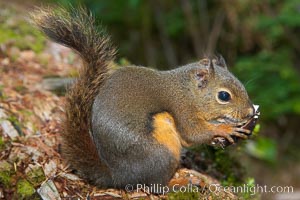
{"x": 240, "y": 135}
{"x": 242, "y": 131}
{"x": 230, "y": 136}
{"x": 220, "y": 142}
{"x": 226, "y": 136}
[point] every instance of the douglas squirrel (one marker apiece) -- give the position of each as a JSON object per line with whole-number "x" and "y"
{"x": 128, "y": 126}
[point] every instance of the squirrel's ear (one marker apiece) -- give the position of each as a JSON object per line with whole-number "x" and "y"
{"x": 209, "y": 65}
{"x": 220, "y": 61}
{"x": 202, "y": 74}
{"x": 202, "y": 77}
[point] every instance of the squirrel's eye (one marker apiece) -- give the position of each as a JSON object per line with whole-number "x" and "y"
{"x": 224, "y": 96}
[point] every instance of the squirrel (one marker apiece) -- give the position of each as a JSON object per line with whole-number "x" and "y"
{"x": 128, "y": 125}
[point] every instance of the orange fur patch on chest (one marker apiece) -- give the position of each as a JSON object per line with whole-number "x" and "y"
{"x": 165, "y": 133}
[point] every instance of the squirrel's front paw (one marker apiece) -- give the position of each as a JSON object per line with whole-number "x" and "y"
{"x": 241, "y": 132}
{"x": 225, "y": 135}
{"x": 223, "y": 131}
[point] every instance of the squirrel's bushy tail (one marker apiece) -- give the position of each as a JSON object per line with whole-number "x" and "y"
{"x": 76, "y": 29}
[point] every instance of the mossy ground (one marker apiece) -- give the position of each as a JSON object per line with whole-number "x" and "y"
{"x": 18, "y": 32}
{"x": 6, "y": 173}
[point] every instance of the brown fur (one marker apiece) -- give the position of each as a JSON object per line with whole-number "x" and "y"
{"x": 76, "y": 30}
{"x": 128, "y": 126}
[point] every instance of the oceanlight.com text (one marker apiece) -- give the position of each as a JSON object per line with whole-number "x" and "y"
{"x": 212, "y": 188}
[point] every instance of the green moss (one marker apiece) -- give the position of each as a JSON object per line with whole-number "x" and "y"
{"x": 28, "y": 113}
{"x": 6, "y": 173}
{"x": 5, "y": 179}
{"x": 20, "y": 33}
{"x": 229, "y": 166}
{"x": 2, "y": 144}
{"x": 36, "y": 176}
{"x": 249, "y": 193}
{"x": 2, "y": 95}
{"x": 21, "y": 89}
{"x": 220, "y": 163}
{"x": 14, "y": 120}
{"x": 24, "y": 189}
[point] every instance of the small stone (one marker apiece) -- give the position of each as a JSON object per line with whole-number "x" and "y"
{"x": 71, "y": 177}
{"x": 48, "y": 191}
{"x": 7, "y": 127}
{"x": 50, "y": 168}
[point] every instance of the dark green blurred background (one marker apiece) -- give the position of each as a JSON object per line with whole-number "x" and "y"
{"x": 260, "y": 41}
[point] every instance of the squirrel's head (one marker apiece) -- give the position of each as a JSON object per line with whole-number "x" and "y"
{"x": 217, "y": 94}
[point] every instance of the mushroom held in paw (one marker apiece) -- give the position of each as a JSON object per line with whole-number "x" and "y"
{"x": 252, "y": 122}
